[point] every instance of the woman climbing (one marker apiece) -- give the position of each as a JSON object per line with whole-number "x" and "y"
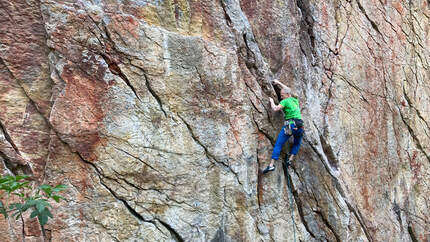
{"x": 293, "y": 125}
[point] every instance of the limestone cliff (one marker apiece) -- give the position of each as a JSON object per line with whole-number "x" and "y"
{"x": 156, "y": 114}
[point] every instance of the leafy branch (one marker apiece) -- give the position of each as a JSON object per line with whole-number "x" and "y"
{"x": 31, "y": 199}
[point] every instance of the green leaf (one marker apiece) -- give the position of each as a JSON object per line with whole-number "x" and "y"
{"x": 28, "y": 204}
{"x": 34, "y": 214}
{"x": 16, "y": 206}
{"x": 19, "y": 194}
{"x": 43, "y": 219}
{"x": 40, "y": 207}
{"x": 38, "y": 203}
{"x": 3, "y": 210}
{"x": 47, "y": 189}
{"x": 13, "y": 186}
{"x": 57, "y": 198}
{"x": 45, "y": 186}
{"x": 18, "y": 178}
{"x": 47, "y": 213}
{"x": 59, "y": 188}
{"x": 3, "y": 180}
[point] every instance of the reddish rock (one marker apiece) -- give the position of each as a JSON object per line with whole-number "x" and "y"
{"x": 156, "y": 115}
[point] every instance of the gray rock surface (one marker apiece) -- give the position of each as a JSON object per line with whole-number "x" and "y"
{"x": 156, "y": 114}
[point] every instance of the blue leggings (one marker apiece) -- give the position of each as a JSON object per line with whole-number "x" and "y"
{"x": 282, "y": 138}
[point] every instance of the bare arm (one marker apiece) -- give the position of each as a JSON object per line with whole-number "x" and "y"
{"x": 292, "y": 93}
{"x": 275, "y": 107}
{"x": 280, "y": 84}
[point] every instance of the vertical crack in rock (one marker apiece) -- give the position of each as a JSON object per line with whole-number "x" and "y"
{"x": 124, "y": 202}
{"x": 396, "y": 209}
{"x": 372, "y": 23}
{"x": 8, "y": 138}
{"x": 329, "y": 74}
{"x": 414, "y": 136}
{"x": 329, "y": 153}
{"x": 306, "y": 27}
{"x": 259, "y": 187}
{"x": 358, "y": 89}
{"x": 416, "y": 110}
{"x": 154, "y": 94}
{"x": 4, "y": 160}
{"x": 327, "y": 166}
{"x": 250, "y": 58}
{"x": 359, "y": 217}
{"x": 328, "y": 225}
{"x": 355, "y": 211}
{"x": 227, "y": 18}
{"x": 259, "y": 182}
{"x": 412, "y": 234}
{"x": 132, "y": 211}
{"x": 253, "y": 104}
{"x": 272, "y": 141}
{"x": 257, "y": 109}
{"x": 244, "y": 37}
{"x": 338, "y": 44}
{"x": 207, "y": 153}
{"x": 14, "y": 167}
{"x": 297, "y": 201}
{"x": 301, "y": 213}
{"x": 151, "y": 90}
{"x": 173, "y": 232}
{"x": 114, "y": 68}
{"x": 338, "y": 187}
{"x": 31, "y": 101}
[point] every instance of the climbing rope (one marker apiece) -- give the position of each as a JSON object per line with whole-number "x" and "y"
{"x": 291, "y": 199}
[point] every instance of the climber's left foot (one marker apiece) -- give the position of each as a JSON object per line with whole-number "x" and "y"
{"x": 269, "y": 168}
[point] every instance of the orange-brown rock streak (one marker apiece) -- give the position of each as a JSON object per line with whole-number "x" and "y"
{"x": 78, "y": 111}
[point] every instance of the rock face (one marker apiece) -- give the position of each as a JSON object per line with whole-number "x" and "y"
{"x": 156, "y": 115}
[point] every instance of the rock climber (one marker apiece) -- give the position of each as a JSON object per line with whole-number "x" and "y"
{"x": 293, "y": 125}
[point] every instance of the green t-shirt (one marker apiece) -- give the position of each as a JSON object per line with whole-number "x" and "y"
{"x": 291, "y": 108}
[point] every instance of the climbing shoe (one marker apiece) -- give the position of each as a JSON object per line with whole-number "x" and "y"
{"x": 287, "y": 163}
{"x": 269, "y": 168}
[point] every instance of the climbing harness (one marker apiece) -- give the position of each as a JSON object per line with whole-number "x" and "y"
{"x": 298, "y": 123}
{"x": 286, "y": 165}
{"x": 288, "y": 130}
